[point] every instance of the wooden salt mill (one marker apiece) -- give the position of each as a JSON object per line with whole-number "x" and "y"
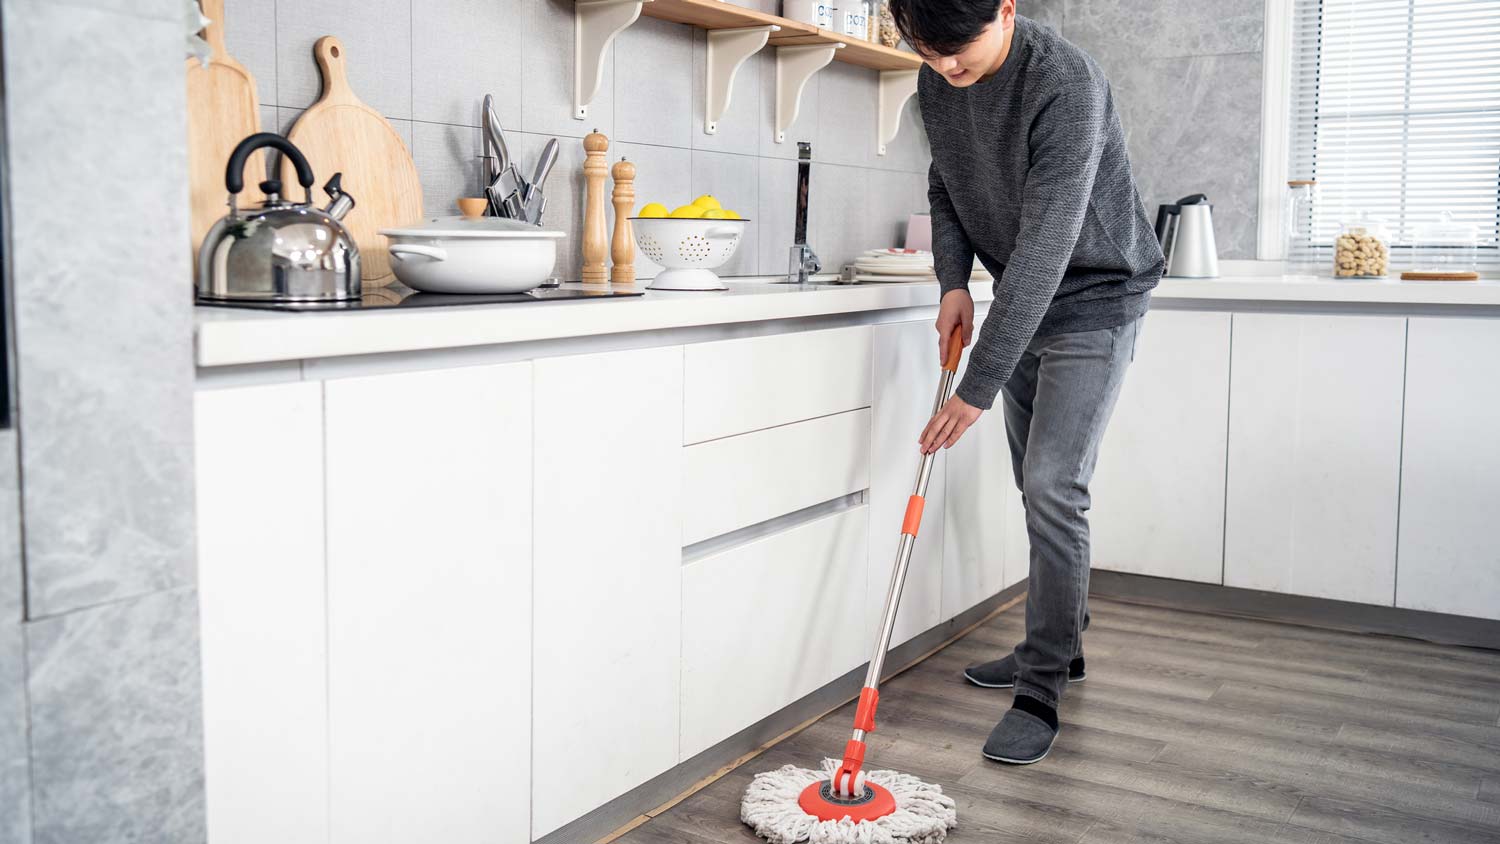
{"x": 595, "y": 225}
{"x": 622, "y": 248}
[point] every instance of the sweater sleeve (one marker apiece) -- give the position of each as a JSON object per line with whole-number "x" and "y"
{"x": 1065, "y": 143}
{"x": 952, "y": 256}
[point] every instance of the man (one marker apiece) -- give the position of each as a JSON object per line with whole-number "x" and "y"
{"x": 1030, "y": 175}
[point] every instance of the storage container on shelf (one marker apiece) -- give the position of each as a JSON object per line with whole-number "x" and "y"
{"x": 1444, "y": 251}
{"x": 1362, "y": 249}
{"x": 1299, "y": 246}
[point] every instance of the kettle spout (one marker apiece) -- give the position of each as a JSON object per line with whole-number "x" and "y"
{"x": 341, "y": 203}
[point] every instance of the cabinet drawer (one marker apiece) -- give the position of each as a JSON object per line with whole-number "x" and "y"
{"x": 734, "y": 386}
{"x": 735, "y": 482}
{"x": 767, "y": 622}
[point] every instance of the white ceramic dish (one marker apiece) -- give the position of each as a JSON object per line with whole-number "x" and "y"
{"x": 689, "y": 249}
{"x": 472, "y": 255}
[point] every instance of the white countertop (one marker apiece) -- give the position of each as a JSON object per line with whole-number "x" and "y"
{"x": 229, "y": 336}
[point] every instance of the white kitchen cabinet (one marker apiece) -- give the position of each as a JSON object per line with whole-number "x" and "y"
{"x": 1314, "y": 455}
{"x": 1449, "y": 558}
{"x": 259, "y": 453}
{"x": 1158, "y": 489}
{"x": 734, "y": 482}
{"x": 429, "y": 605}
{"x": 980, "y": 511}
{"x": 745, "y": 384}
{"x": 608, "y": 577}
{"x": 906, "y": 371}
{"x": 768, "y": 622}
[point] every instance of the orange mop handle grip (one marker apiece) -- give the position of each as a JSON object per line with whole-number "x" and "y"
{"x": 955, "y": 348}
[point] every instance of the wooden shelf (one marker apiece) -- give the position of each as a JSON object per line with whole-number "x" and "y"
{"x": 734, "y": 35}
{"x": 713, "y": 14}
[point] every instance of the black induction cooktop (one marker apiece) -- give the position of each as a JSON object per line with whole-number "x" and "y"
{"x": 398, "y": 296}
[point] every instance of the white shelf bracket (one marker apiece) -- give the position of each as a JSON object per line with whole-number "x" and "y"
{"x": 595, "y": 25}
{"x": 896, "y": 87}
{"x": 728, "y": 49}
{"x": 794, "y": 66}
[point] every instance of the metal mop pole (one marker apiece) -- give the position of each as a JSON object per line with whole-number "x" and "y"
{"x": 848, "y": 781}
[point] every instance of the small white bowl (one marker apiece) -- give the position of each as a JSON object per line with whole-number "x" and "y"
{"x": 688, "y": 248}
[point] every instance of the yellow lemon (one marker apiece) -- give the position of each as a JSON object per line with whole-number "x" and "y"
{"x": 655, "y": 209}
{"x": 732, "y": 215}
{"x": 716, "y": 214}
{"x": 707, "y": 201}
{"x": 687, "y": 211}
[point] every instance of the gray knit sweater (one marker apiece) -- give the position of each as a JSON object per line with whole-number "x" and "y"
{"x": 1030, "y": 174}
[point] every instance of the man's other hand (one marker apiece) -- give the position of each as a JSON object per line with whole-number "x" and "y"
{"x": 948, "y": 425}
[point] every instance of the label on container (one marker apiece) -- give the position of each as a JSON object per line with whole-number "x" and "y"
{"x": 819, "y": 13}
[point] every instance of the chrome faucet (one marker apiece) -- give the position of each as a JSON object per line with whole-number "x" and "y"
{"x": 804, "y": 262}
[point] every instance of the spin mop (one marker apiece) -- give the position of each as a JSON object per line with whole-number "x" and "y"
{"x": 843, "y": 804}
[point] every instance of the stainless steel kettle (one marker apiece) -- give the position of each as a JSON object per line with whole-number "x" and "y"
{"x": 281, "y": 251}
{"x": 1185, "y": 230}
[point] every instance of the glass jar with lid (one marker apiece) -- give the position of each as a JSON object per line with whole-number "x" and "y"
{"x": 1362, "y": 249}
{"x": 1299, "y": 249}
{"x": 1444, "y": 251}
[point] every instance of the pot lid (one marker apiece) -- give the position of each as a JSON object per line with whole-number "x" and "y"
{"x": 475, "y": 227}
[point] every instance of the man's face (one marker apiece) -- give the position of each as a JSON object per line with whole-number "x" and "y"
{"x": 980, "y": 57}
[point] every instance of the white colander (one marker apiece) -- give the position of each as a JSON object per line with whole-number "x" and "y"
{"x": 688, "y": 249}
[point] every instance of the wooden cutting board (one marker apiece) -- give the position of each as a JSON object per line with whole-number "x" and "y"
{"x": 222, "y": 111}
{"x": 340, "y": 134}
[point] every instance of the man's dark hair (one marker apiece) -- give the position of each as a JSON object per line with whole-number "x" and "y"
{"x": 943, "y": 27}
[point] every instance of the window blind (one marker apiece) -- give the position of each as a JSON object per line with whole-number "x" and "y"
{"x": 1395, "y": 111}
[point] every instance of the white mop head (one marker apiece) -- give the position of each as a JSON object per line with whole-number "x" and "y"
{"x": 923, "y": 813}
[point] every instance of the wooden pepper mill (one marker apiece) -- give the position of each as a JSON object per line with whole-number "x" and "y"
{"x": 595, "y": 225}
{"x": 622, "y": 248}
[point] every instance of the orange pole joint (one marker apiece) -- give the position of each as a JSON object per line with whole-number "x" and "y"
{"x": 913, "y": 518}
{"x": 864, "y": 715}
{"x": 854, "y": 760}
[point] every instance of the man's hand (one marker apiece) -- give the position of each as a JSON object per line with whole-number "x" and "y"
{"x": 956, "y": 311}
{"x": 948, "y": 425}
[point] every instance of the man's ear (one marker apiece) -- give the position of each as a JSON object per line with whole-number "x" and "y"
{"x": 1007, "y": 13}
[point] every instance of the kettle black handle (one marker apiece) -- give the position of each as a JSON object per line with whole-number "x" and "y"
{"x": 234, "y": 176}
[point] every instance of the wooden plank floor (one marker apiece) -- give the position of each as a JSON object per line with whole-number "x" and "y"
{"x": 1190, "y": 728}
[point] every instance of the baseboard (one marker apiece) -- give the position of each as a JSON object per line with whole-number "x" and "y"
{"x": 1440, "y": 628}
{"x": 657, "y": 794}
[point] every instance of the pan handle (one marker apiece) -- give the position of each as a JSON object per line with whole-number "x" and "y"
{"x": 234, "y": 175}
{"x": 401, "y": 250}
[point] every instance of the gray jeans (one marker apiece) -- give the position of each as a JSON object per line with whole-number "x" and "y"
{"x": 1056, "y": 407}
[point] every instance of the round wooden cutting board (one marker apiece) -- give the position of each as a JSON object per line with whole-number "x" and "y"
{"x": 340, "y": 134}
{"x": 222, "y": 111}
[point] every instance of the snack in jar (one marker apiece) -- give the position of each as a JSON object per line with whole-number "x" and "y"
{"x": 1362, "y": 250}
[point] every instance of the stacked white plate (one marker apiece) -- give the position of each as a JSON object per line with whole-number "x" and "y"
{"x": 891, "y": 265}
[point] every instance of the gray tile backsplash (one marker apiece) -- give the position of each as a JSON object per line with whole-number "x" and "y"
{"x": 250, "y": 38}
{"x": 654, "y": 84}
{"x": 425, "y": 65}
{"x": 377, "y": 39}
{"x": 462, "y": 50}
{"x": 848, "y": 103}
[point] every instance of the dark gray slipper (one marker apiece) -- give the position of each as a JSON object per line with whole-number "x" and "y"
{"x": 1001, "y": 673}
{"x": 1019, "y": 739}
